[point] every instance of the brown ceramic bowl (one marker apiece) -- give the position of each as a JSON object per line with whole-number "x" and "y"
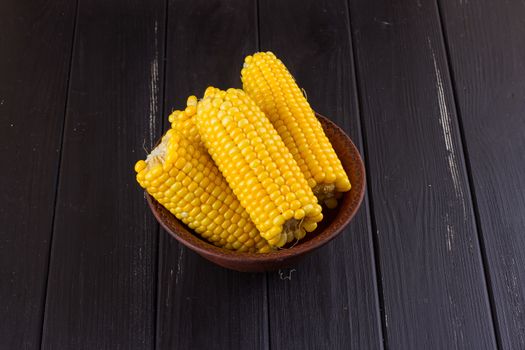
{"x": 333, "y": 223}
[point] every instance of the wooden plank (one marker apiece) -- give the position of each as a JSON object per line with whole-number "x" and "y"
{"x": 434, "y": 289}
{"x": 202, "y": 306}
{"x": 485, "y": 42}
{"x": 35, "y": 45}
{"x": 101, "y": 290}
{"x": 329, "y": 300}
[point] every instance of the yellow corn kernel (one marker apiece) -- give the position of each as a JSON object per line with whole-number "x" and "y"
{"x": 189, "y": 200}
{"x": 269, "y": 83}
{"x": 244, "y": 144}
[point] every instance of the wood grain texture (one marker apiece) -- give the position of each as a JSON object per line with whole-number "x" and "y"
{"x": 101, "y": 289}
{"x": 202, "y": 306}
{"x": 35, "y": 47}
{"x": 434, "y": 288}
{"x": 487, "y": 51}
{"x": 330, "y": 299}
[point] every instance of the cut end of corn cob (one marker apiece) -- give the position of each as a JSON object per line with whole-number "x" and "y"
{"x": 269, "y": 83}
{"x": 257, "y": 165}
{"x": 182, "y": 177}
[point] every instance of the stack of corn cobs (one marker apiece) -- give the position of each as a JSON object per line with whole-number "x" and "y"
{"x": 247, "y": 169}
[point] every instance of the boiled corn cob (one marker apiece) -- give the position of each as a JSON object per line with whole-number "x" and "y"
{"x": 182, "y": 177}
{"x": 257, "y": 165}
{"x": 267, "y": 81}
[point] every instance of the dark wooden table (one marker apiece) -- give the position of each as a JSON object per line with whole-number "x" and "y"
{"x": 433, "y": 93}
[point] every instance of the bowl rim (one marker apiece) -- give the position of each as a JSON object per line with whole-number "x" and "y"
{"x": 205, "y": 248}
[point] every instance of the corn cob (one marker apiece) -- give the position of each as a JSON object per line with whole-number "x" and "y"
{"x": 257, "y": 165}
{"x": 267, "y": 81}
{"x": 183, "y": 178}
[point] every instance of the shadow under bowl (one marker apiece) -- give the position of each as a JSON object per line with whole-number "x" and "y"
{"x": 334, "y": 221}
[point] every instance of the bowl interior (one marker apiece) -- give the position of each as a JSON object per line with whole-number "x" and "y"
{"x": 333, "y": 222}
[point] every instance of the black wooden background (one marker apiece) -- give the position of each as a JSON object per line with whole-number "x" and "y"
{"x": 432, "y": 92}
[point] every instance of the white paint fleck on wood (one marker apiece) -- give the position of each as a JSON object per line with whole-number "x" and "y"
{"x": 450, "y": 237}
{"x": 153, "y": 96}
{"x": 283, "y": 276}
{"x": 445, "y": 122}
